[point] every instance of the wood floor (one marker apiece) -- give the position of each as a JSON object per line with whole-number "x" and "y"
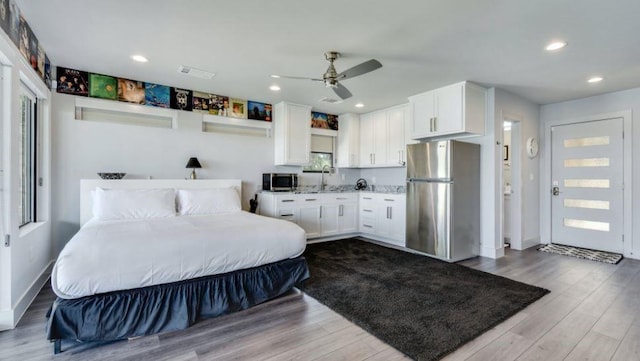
{"x": 592, "y": 313}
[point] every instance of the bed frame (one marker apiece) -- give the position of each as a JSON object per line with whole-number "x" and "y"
{"x": 168, "y": 307}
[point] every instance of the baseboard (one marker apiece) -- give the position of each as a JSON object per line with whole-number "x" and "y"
{"x": 491, "y": 252}
{"x": 531, "y": 242}
{"x": 10, "y": 318}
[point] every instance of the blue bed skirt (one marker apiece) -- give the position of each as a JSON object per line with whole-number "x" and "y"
{"x": 174, "y": 306}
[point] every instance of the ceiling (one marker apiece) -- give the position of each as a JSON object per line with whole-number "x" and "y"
{"x": 422, "y": 44}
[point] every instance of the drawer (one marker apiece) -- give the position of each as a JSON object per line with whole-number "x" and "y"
{"x": 367, "y": 225}
{"x": 286, "y": 201}
{"x": 287, "y": 214}
{"x": 367, "y": 211}
{"x": 343, "y": 198}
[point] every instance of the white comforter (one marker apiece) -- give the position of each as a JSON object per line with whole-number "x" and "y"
{"x": 107, "y": 256}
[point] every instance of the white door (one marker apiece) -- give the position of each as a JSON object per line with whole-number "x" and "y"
{"x": 587, "y": 185}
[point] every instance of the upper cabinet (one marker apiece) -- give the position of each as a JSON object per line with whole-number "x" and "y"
{"x": 454, "y": 110}
{"x": 292, "y": 134}
{"x": 348, "y": 142}
{"x": 382, "y": 137}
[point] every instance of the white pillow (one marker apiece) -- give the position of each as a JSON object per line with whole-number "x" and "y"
{"x": 208, "y": 201}
{"x": 110, "y": 204}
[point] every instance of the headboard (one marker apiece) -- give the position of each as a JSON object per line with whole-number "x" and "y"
{"x": 88, "y": 185}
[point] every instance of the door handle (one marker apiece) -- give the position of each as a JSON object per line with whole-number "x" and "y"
{"x": 555, "y": 191}
{"x": 341, "y": 209}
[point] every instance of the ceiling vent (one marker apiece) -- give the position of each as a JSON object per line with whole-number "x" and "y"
{"x": 198, "y": 73}
{"x": 331, "y": 101}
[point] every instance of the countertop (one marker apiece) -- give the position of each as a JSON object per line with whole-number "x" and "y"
{"x": 346, "y": 188}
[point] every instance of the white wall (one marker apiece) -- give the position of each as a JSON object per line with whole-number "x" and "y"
{"x": 24, "y": 266}
{"x": 513, "y": 107}
{"x": 627, "y": 100}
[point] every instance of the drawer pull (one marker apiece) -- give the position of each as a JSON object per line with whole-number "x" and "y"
{"x": 367, "y": 210}
{"x": 287, "y": 200}
{"x": 340, "y": 198}
{"x": 310, "y": 199}
{"x": 286, "y": 215}
{"x": 389, "y": 200}
{"x": 366, "y": 225}
{"x": 367, "y": 198}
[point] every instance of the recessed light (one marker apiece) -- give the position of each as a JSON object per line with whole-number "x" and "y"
{"x": 275, "y": 76}
{"x": 556, "y": 45}
{"x": 139, "y": 58}
{"x": 595, "y": 79}
{"x": 359, "y": 105}
{"x": 274, "y": 88}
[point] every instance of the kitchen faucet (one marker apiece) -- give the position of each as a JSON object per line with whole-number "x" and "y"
{"x": 322, "y": 181}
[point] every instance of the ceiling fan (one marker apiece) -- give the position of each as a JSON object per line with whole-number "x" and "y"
{"x": 332, "y": 79}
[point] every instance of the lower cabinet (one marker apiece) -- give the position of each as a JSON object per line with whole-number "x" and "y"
{"x": 382, "y": 216}
{"x": 320, "y": 215}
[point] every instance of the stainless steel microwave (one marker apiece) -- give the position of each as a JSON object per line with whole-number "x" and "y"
{"x": 279, "y": 182}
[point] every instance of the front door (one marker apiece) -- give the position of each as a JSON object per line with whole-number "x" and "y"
{"x": 587, "y": 185}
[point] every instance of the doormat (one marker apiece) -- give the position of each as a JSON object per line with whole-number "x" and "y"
{"x": 590, "y": 254}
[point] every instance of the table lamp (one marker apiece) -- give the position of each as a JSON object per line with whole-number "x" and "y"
{"x": 193, "y": 164}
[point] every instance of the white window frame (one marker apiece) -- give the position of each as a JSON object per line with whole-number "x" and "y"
{"x": 28, "y": 169}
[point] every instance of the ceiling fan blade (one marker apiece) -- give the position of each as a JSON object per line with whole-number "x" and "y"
{"x": 341, "y": 91}
{"x": 300, "y": 78}
{"x": 360, "y": 69}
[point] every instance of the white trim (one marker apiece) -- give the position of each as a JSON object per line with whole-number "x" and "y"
{"x": 545, "y": 184}
{"x": 123, "y": 107}
{"x": 237, "y": 122}
{"x": 9, "y": 318}
{"x": 88, "y": 185}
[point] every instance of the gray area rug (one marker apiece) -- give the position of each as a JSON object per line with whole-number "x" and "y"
{"x": 423, "y": 307}
{"x": 590, "y": 254}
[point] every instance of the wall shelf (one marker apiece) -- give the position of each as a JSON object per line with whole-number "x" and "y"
{"x": 220, "y": 121}
{"x": 325, "y": 132}
{"x": 141, "y": 114}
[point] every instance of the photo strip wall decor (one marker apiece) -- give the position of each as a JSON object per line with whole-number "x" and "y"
{"x": 82, "y": 83}
{"x": 14, "y": 24}
{"x": 324, "y": 121}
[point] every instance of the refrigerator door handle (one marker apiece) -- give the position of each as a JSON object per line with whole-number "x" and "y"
{"x": 430, "y": 180}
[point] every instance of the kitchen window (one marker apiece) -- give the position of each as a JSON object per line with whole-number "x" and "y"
{"x": 321, "y": 153}
{"x": 28, "y": 157}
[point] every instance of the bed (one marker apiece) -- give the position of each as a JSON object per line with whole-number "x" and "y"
{"x": 154, "y": 256}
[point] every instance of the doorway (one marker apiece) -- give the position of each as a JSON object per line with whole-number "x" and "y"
{"x": 587, "y": 184}
{"x": 512, "y": 184}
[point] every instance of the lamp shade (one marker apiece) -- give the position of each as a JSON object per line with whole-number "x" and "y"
{"x": 193, "y": 163}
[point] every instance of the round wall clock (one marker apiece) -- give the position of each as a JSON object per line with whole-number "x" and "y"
{"x": 532, "y": 147}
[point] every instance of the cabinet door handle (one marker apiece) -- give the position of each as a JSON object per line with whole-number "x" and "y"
{"x": 431, "y": 124}
{"x": 310, "y": 199}
{"x": 370, "y": 158}
{"x": 321, "y": 212}
{"x": 341, "y": 211}
{"x": 374, "y": 158}
{"x": 390, "y": 210}
{"x": 435, "y": 124}
{"x": 400, "y": 156}
{"x": 287, "y": 200}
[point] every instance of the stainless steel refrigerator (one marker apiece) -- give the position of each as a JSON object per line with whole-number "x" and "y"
{"x": 443, "y": 199}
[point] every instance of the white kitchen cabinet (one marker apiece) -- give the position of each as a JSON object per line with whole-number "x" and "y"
{"x": 309, "y": 214}
{"x": 382, "y": 217}
{"x": 455, "y": 110}
{"x": 292, "y": 134}
{"x": 319, "y": 214}
{"x": 383, "y": 138}
{"x": 348, "y": 147}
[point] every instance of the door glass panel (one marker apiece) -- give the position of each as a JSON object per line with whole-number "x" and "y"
{"x": 586, "y": 183}
{"x": 587, "y": 162}
{"x": 591, "y": 225}
{"x": 586, "y": 142}
{"x": 586, "y": 203}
